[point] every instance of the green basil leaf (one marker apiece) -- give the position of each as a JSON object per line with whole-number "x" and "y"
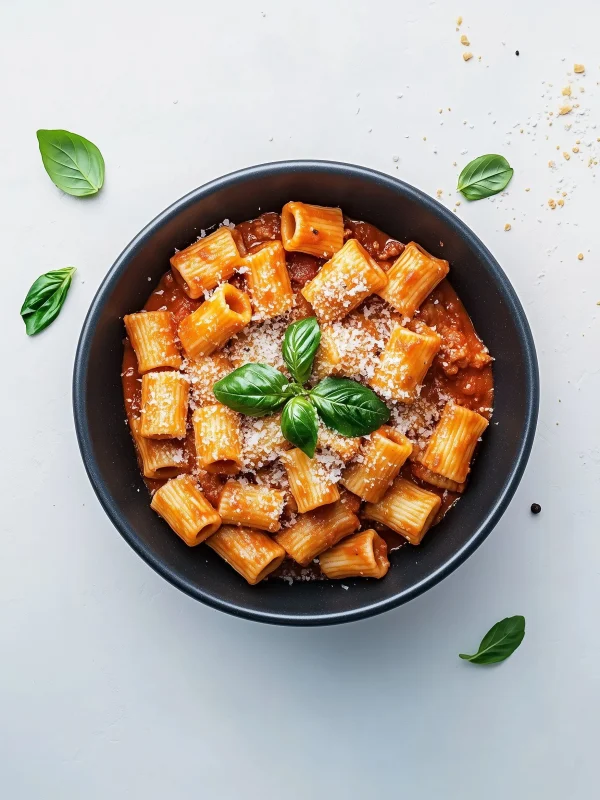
{"x": 349, "y": 407}
{"x": 500, "y": 641}
{"x": 254, "y": 389}
{"x": 300, "y": 344}
{"x": 484, "y": 176}
{"x": 300, "y": 425}
{"x": 45, "y": 299}
{"x": 73, "y": 163}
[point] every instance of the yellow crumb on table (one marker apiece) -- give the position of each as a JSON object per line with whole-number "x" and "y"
{"x": 566, "y": 156}
{"x": 467, "y": 56}
{"x": 459, "y": 20}
{"x": 507, "y": 226}
{"x": 580, "y": 256}
{"x": 439, "y": 193}
{"x": 552, "y": 203}
{"x": 551, "y": 164}
{"x": 528, "y": 189}
{"x": 564, "y": 194}
{"x": 579, "y": 68}
{"x": 565, "y": 110}
{"x": 465, "y": 40}
{"x": 567, "y": 91}
{"x": 575, "y": 149}
{"x": 561, "y": 202}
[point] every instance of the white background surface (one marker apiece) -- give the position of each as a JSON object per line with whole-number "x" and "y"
{"x": 114, "y": 684}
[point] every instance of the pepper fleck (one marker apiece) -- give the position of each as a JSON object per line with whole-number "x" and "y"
{"x": 516, "y": 52}
{"x": 315, "y": 231}
{"x": 535, "y": 508}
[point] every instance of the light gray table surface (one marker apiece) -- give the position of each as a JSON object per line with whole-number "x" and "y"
{"x": 113, "y": 684}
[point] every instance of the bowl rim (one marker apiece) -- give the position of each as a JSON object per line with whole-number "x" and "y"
{"x": 492, "y": 515}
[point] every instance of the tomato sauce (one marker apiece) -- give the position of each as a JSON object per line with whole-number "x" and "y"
{"x": 461, "y": 371}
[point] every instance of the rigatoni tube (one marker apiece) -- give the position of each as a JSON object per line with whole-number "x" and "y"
{"x": 251, "y": 553}
{"x": 411, "y": 278}
{"x": 164, "y": 405}
{"x": 362, "y": 555}
{"x": 378, "y": 463}
{"x": 453, "y": 441}
{"x": 253, "y": 506}
{"x": 206, "y": 263}
{"x": 217, "y": 434}
{"x": 316, "y": 531}
{"x": 152, "y": 336}
{"x": 219, "y": 318}
{"x": 183, "y": 506}
{"x": 317, "y": 230}
{"x": 406, "y": 509}
{"x": 310, "y": 484}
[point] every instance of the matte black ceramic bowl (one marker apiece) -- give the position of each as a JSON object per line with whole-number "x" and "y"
{"x": 404, "y": 213}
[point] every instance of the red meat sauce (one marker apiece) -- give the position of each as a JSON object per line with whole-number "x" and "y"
{"x": 460, "y": 372}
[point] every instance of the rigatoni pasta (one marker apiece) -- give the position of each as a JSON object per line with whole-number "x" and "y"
{"x": 404, "y": 363}
{"x": 152, "y": 336}
{"x": 379, "y": 462}
{"x": 309, "y": 483}
{"x": 362, "y": 555}
{"x": 411, "y": 278}
{"x": 316, "y": 531}
{"x": 206, "y": 263}
{"x": 165, "y": 398}
{"x": 219, "y": 318}
{"x": 269, "y": 281}
{"x": 453, "y": 442}
{"x": 312, "y": 229}
{"x": 406, "y": 509}
{"x": 218, "y": 438}
{"x": 253, "y": 506}
{"x": 233, "y": 479}
{"x": 344, "y": 282}
{"x": 251, "y": 553}
{"x": 161, "y": 458}
{"x": 182, "y": 505}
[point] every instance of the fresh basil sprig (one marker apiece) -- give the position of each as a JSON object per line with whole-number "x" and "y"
{"x": 342, "y": 404}
{"x": 484, "y": 177}
{"x": 500, "y": 641}
{"x": 300, "y": 426}
{"x": 73, "y": 163}
{"x": 300, "y": 343}
{"x": 254, "y": 389}
{"x": 45, "y": 299}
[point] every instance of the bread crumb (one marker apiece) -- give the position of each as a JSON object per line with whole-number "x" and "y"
{"x": 579, "y": 68}
{"x": 459, "y": 20}
{"x": 565, "y": 110}
{"x": 552, "y": 203}
{"x": 564, "y": 194}
{"x": 561, "y": 202}
{"x": 566, "y": 156}
{"x": 575, "y": 149}
{"x": 439, "y": 193}
{"x": 507, "y": 226}
{"x": 467, "y": 56}
{"x": 567, "y": 91}
{"x": 580, "y": 256}
{"x": 528, "y": 189}
{"x": 465, "y": 40}
{"x": 551, "y": 164}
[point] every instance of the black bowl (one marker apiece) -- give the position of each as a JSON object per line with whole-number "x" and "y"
{"x": 404, "y": 213}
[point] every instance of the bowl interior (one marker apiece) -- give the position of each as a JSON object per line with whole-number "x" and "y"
{"x": 405, "y": 214}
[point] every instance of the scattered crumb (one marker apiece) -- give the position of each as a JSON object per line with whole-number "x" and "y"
{"x": 465, "y": 40}
{"x": 566, "y": 156}
{"x": 528, "y": 189}
{"x": 507, "y": 226}
{"x": 575, "y": 149}
{"x": 561, "y": 202}
{"x": 567, "y": 91}
{"x": 579, "y": 68}
{"x": 565, "y": 110}
{"x": 580, "y": 256}
{"x": 459, "y": 21}
{"x": 467, "y": 56}
{"x": 552, "y": 203}
{"x": 439, "y": 193}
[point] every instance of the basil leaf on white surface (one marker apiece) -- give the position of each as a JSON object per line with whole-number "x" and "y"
{"x": 500, "y": 641}
{"x": 484, "y": 177}
{"x": 300, "y": 425}
{"x": 349, "y": 407}
{"x": 254, "y": 389}
{"x": 73, "y": 163}
{"x": 300, "y": 343}
{"x": 45, "y": 299}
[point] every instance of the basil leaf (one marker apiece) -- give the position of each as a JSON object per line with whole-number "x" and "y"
{"x": 349, "y": 407}
{"x": 300, "y": 344}
{"x": 500, "y": 641}
{"x": 300, "y": 425}
{"x": 254, "y": 389}
{"x": 73, "y": 163}
{"x": 484, "y": 176}
{"x": 45, "y": 299}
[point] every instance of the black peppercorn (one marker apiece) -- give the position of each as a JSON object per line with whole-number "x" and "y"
{"x": 516, "y": 52}
{"x": 315, "y": 231}
{"x": 535, "y": 508}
